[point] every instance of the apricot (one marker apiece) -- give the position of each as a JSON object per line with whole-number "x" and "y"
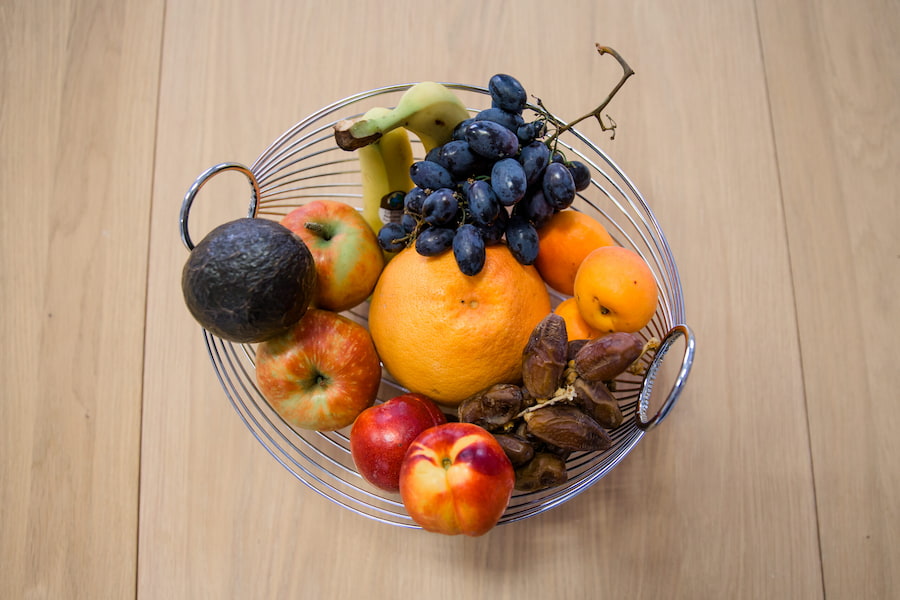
{"x": 615, "y": 290}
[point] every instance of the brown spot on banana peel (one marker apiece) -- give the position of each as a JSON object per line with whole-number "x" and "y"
{"x": 344, "y": 138}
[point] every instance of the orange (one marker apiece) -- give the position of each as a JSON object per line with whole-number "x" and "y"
{"x": 615, "y": 290}
{"x": 576, "y": 327}
{"x": 565, "y": 240}
{"x": 448, "y": 335}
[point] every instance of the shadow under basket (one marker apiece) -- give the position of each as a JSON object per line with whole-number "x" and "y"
{"x": 305, "y": 164}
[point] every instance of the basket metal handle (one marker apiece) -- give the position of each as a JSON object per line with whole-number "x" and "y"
{"x": 678, "y": 331}
{"x": 202, "y": 179}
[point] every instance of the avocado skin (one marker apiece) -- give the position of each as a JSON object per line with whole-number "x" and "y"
{"x": 249, "y": 280}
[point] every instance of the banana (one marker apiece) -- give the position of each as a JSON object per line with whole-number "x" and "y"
{"x": 428, "y": 109}
{"x": 384, "y": 166}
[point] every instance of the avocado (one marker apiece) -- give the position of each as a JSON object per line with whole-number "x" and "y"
{"x": 249, "y": 280}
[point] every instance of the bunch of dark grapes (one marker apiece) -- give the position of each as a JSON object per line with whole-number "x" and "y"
{"x": 496, "y": 181}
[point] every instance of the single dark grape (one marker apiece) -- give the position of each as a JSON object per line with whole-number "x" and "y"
{"x": 434, "y": 240}
{"x": 459, "y": 159}
{"x": 534, "y": 159}
{"x": 491, "y": 140}
{"x": 459, "y": 132}
{"x": 434, "y": 155}
{"x": 430, "y": 175}
{"x": 580, "y": 174}
{"x": 534, "y": 207}
{"x": 484, "y": 206}
{"x": 440, "y": 206}
{"x": 522, "y": 239}
{"x": 510, "y": 120}
{"x": 468, "y": 249}
{"x": 531, "y": 131}
{"x": 507, "y": 93}
{"x": 412, "y": 203}
{"x": 392, "y": 237}
{"x": 494, "y": 232}
{"x": 508, "y": 181}
{"x": 558, "y": 185}
{"x": 408, "y": 222}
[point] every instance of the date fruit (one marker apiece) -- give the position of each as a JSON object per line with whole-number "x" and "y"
{"x": 517, "y": 448}
{"x": 545, "y": 356}
{"x": 492, "y": 408}
{"x": 567, "y": 427}
{"x": 596, "y": 400}
{"x": 605, "y": 358}
{"x": 544, "y": 471}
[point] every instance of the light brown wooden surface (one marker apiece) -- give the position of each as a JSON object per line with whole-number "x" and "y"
{"x": 764, "y": 136}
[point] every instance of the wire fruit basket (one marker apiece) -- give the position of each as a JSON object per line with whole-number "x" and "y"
{"x": 305, "y": 164}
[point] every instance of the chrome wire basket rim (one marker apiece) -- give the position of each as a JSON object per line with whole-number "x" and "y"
{"x": 334, "y": 478}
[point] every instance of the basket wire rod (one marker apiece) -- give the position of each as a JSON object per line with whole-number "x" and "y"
{"x": 254, "y": 425}
{"x": 271, "y": 187}
{"x": 641, "y": 208}
{"x": 579, "y": 486}
{"x": 254, "y": 393}
{"x": 294, "y": 192}
{"x": 659, "y": 274}
{"x": 340, "y": 467}
{"x": 670, "y": 266}
{"x": 265, "y": 161}
{"x": 324, "y": 111}
{"x": 288, "y": 155}
{"x": 248, "y": 393}
{"x": 266, "y": 185}
{"x": 200, "y": 181}
{"x": 231, "y": 393}
{"x": 644, "y": 226}
{"x": 640, "y": 224}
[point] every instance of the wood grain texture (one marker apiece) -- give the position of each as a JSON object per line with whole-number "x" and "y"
{"x": 834, "y": 82}
{"x": 763, "y": 135}
{"x": 77, "y": 127}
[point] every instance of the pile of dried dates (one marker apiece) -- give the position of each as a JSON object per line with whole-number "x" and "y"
{"x": 564, "y": 404}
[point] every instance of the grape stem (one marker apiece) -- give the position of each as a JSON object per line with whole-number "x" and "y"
{"x": 561, "y": 127}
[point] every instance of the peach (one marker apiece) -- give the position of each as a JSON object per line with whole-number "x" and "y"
{"x": 455, "y": 479}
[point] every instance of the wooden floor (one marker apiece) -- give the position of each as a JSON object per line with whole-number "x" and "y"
{"x": 763, "y": 133}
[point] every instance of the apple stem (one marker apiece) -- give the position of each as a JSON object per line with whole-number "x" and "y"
{"x": 319, "y": 229}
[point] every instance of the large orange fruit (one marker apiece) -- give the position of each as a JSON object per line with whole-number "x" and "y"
{"x": 448, "y": 335}
{"x": 615, "y": 290}
{"x": 565, "y": 240}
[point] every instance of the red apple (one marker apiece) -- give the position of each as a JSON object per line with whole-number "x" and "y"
{"x": 345, "y": 249}
{"x": 321, "y": 373}
{"x": 382, "y": 433}
{"x": 456, "y": 478}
